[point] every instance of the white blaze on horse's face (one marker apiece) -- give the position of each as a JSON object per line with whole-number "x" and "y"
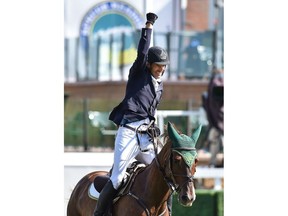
{"x": 187, "y": 193}
{"x": 191, "y": 196}
{"x": 184, "y": 163}
{"x": 183, "y": 175}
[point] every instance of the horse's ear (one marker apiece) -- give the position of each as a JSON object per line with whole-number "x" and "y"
{"x": 196, "y": 133}
{"x": 173, "y": 134}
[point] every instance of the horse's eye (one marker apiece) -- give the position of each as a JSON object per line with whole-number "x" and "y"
{"x": 177, "y": 158}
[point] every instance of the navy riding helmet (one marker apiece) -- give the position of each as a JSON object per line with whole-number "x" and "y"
{"x": 157, "y": 55}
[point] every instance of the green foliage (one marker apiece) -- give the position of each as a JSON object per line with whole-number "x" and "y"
{"x": 74, "y": 124}
{"x": 78, "y": 127}
{"x": 207, "y": 203}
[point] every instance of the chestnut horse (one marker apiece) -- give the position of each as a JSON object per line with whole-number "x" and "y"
{"x": 150, "y": 189}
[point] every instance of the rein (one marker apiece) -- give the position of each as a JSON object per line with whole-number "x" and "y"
{"x": 167, "y": 173}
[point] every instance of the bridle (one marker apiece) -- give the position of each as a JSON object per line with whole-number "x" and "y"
{"x": 166, "y": 171}
{"x": 168, "y": 174}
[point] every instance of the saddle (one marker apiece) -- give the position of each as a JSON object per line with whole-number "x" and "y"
{"x": 100, "y": 181}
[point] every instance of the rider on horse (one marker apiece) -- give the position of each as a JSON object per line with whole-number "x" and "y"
{"x": 135, "y": 114}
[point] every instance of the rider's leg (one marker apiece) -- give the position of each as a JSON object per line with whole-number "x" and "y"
{"x": 125, "y": 150}
{"x": 105, "y": 199}
{"x": 147, "y": 156}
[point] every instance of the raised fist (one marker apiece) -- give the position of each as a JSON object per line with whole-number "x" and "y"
{"x": 151, "y": 18}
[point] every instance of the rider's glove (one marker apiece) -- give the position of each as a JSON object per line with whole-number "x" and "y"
{"x": 151, "y": 18}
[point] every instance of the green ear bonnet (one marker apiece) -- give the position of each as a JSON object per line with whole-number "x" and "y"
{"x": 184, "y": 144}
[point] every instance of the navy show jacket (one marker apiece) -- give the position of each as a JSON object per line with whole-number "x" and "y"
{"x": 140, "y": 99}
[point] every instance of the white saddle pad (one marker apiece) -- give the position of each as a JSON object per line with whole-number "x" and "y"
{"x": 93, "y": 193}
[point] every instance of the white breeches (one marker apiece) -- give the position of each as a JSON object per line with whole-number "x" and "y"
{"x": 127, "y": 149}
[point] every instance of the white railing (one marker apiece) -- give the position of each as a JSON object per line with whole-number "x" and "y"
{"x": 194, "y": 116}
{"x": 104, "y": 161}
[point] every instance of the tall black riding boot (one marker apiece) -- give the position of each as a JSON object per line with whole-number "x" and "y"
{"x": 169, "y": 204}
{"x": 105, "y": 199}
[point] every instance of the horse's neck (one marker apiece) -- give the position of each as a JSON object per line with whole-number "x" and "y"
{"x": 156, "y": 190}
{"x": 156, "y": 181}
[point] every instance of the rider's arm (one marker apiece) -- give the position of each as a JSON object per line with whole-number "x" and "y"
{"x": 144, "y": 44}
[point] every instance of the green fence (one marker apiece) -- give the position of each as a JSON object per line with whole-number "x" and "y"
{"x": 81, "y": 132}
{"x": 207, "y": 203}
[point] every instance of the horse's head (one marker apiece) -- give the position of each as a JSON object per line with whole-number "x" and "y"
{"x": 183, "y": 162}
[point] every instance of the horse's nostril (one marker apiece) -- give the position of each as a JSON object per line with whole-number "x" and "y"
{"x": 185, "y": 198}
